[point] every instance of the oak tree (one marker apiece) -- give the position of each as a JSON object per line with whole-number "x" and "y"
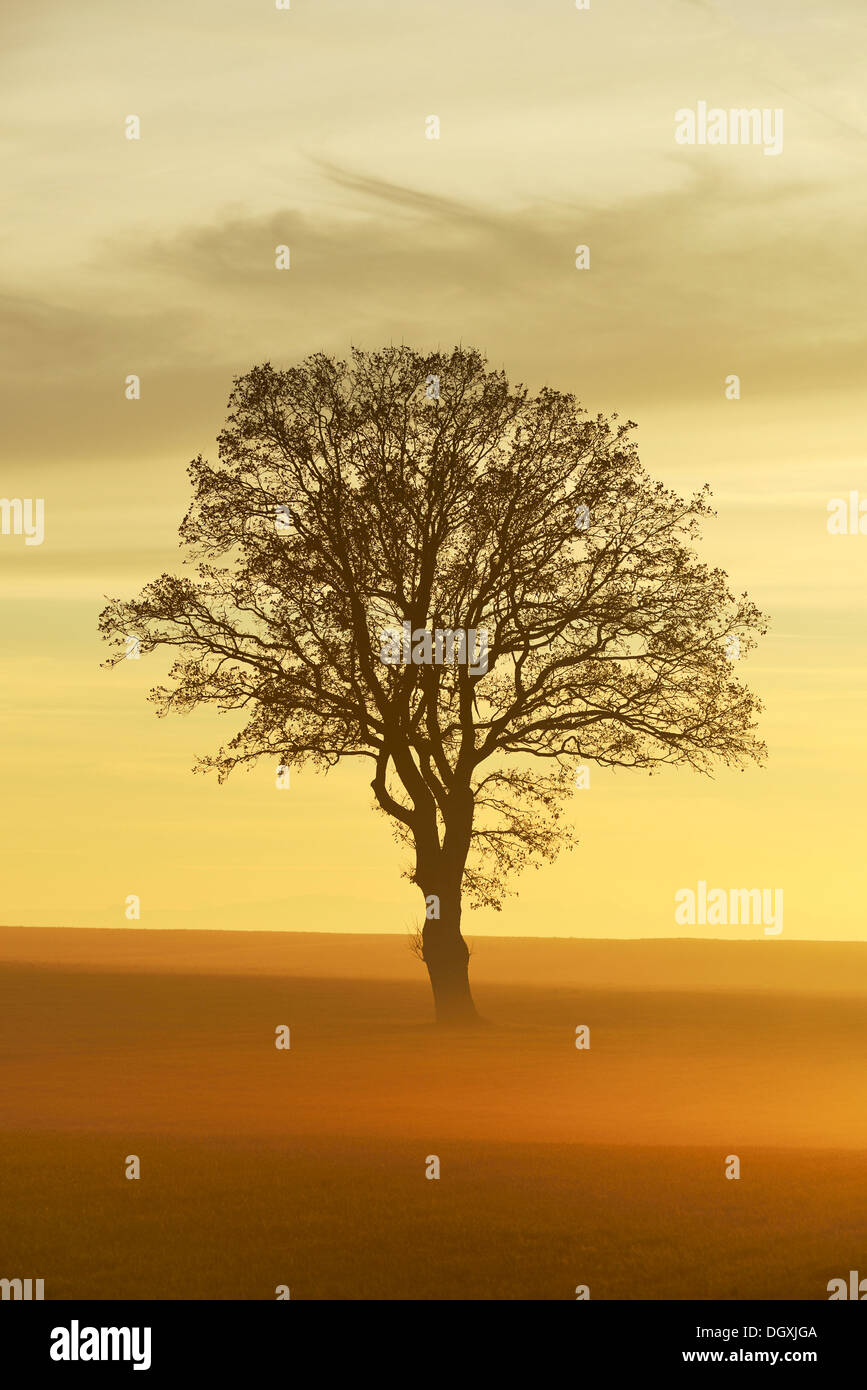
{"x": 409, "y": 491}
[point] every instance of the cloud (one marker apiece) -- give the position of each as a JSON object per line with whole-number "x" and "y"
{"x": 713, "y": 275}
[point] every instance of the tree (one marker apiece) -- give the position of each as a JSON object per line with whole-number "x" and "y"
{"x": 359, "y": 509}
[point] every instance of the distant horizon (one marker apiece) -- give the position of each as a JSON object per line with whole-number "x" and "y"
{"x": 468, "y": 932}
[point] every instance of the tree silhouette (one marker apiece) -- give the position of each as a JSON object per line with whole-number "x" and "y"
{"x": 417, "y": 493}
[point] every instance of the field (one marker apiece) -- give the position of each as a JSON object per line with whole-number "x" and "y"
{"x": 306, "y": 1167}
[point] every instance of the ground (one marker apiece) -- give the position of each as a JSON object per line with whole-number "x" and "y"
{"x": 305, "y": 1167}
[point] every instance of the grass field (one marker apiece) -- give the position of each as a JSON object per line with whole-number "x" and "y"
{"x": 306, "y": 1167}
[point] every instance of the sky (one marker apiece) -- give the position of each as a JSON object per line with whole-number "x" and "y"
{"x": 307, "y": 127}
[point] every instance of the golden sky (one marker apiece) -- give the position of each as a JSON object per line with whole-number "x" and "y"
{"x": 306, "y": 127}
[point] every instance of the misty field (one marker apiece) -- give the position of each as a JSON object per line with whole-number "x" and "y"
{"x": 559, "y": 1167}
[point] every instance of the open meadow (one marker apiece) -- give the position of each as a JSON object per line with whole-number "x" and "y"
{"x": 305, "y": 1167}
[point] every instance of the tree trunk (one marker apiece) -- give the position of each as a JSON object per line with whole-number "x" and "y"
{"x": 447, "y": 958}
